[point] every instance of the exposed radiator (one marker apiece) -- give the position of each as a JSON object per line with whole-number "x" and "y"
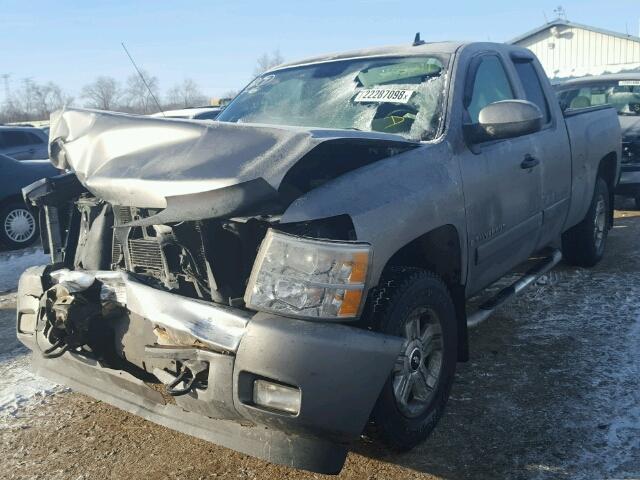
{"x": 146, "y": 254}
{"x": 116, "y": 251}
{"x": 122, "y": 214}
{"x": 143, "y": 252}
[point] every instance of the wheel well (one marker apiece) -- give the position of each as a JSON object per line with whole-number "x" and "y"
{"x": 439, "y": 251}
{"x": 608, "y": 170}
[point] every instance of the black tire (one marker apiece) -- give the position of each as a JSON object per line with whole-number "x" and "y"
{"x": 584, "y": 244}
{"x": 12, "y": 216}
{"x": 402, "y": 293}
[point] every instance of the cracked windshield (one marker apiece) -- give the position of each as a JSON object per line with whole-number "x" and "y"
{"x": 399, "y": 95}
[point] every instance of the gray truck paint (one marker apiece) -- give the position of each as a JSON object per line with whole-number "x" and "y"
{"x": 499, "y": 212}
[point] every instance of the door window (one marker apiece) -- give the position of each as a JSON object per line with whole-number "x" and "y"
{"x": 532, "y": 87}
{"x": 34, "y": 139}
{"x": 16, "y": 138}
{"x": 491, "y": 84}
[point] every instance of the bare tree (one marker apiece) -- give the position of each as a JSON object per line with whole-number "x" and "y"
{"x": 49, "y": 97}
{"x": 267, "y": 61}
{"x": 139, "y": 98}
{"x": 34, "y": 101}
{"x": 104, "y": 93}
{"x": 186, "y": 94}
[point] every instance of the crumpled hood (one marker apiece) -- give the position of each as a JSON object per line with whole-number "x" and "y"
{"x": 630, "y": 125}
{"x": 143, "y": 161}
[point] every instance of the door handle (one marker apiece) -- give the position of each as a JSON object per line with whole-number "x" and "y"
{"x": 529, "y": 162}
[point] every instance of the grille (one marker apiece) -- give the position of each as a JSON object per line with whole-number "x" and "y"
{"x": 145, "y": 253}
{"x": 116, "y": 251}
{"x": 123, "y": 214}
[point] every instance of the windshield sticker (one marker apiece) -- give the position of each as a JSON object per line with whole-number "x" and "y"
{"x": 634, "y": 83}
{"x": 380, "y": 95}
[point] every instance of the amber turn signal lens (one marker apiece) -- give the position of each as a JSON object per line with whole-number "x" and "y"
{"x": 350, "y": 303}
{"x": 359, "y": 268}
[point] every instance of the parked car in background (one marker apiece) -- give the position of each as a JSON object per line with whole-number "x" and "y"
{"x": 621, "y": 91}
{"x": 23, "y": 143}
{"x": 18, "y": 224}
{"x": 194, "y": 113}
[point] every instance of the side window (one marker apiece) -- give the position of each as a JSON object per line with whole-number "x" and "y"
{"x": 15, "y": 139}
{"x": 532, "y": 87}
{"x": 34, "y": 139}
{"x": 491, "y": 84}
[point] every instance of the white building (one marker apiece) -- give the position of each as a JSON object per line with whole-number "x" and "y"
{"x": 568, "y": 49}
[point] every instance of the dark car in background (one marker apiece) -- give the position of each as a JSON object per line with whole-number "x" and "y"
{"x": 23, "y": 143}
{"x": 622, "y": 91}
{"x": 18, "y": 224}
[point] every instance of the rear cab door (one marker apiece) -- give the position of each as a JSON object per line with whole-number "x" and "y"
{"x": 551, "y": 145}
{"x": 503, "y": 195}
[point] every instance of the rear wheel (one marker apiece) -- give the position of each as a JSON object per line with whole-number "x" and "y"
{"x": 416, "y": 305}
{"x": 584, "y": 244}
{"x": 18, "y": 226}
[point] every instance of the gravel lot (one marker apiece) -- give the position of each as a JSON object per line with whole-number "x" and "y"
{"x": 552, "y": 391}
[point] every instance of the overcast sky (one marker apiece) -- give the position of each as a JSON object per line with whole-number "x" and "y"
{"x": 216, "y": 43}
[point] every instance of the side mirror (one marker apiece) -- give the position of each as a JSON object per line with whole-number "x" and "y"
{"x": 505, "y": 119}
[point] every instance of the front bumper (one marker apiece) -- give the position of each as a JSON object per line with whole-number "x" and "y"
{"x": 340, "y": 371}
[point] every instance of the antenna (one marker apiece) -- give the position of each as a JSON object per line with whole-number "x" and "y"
{"x": 560, "y": 13}
{"x": 142, "y": 78}
{"x": 417, "y": 41}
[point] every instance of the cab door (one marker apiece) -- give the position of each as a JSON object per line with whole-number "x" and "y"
{"x": 502, "y": 182}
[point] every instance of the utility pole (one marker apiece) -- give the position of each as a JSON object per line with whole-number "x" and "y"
{"x": 5, "y": 78}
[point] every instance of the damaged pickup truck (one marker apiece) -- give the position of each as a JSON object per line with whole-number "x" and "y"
{"x": 285, "y": 278}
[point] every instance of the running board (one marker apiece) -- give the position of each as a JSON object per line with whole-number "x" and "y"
{"x": 487, "y": 308}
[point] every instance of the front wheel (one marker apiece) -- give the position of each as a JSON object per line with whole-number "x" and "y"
{"x": 416, "y": 305}
{"x": 18, "y": 226}
{"x": 583, "y": 245}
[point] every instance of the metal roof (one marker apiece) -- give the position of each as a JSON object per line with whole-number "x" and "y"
{"x": 567, "y": 23}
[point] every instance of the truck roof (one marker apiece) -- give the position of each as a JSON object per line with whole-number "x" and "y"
{"x": 427, "y": 48}
{"x": 391, "y": 50}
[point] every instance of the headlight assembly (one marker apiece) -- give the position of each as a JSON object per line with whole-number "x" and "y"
{"x": 306, "y": 277}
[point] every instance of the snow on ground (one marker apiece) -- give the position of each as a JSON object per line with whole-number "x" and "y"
{"x": 602, "y": 406}
{"x": 12, "y": 264}
{"x": 18, "y": 386}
